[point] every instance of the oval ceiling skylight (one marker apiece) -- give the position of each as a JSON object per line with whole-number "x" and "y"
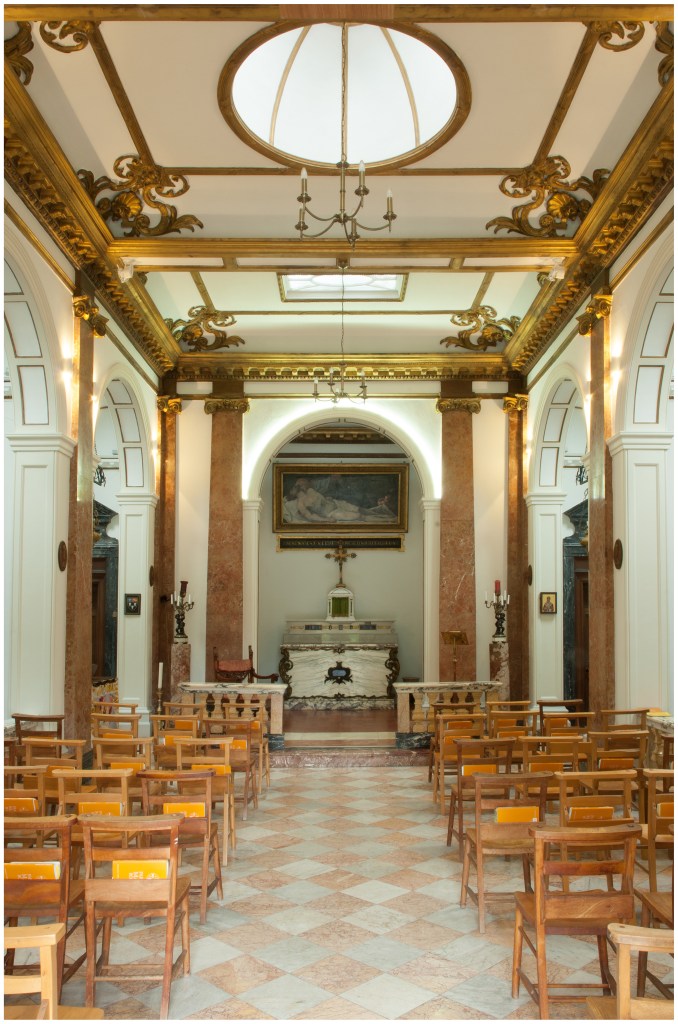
{"x": 402, "y": 97}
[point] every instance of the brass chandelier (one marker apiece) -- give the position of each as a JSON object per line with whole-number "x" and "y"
{"x": 348, "y": 221}
{"x": 337, "y": 375}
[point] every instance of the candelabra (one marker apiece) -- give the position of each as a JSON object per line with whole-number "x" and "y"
{"x": 181, "y": 603}
{"x": 499, "y": 604}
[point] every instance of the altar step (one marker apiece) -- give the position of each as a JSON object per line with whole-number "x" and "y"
{"x": 317, "y": 740}
{"x": 349, "y": 756}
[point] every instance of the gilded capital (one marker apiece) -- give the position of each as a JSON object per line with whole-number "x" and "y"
{"x": 458, "y": 405}
{"x": 85, "y": 309}
{"x": 516, "y": 403}
{"x": 166, "y": 403}
{"x": 599, "y": 308}
{"x": 213, "y": 405}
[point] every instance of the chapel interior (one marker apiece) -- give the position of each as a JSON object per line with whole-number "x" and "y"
{"x": 339, "y": 506}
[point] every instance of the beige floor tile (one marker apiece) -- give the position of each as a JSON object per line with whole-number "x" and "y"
{"x": 337, "y": 973}
{"x": 240, "y": 975}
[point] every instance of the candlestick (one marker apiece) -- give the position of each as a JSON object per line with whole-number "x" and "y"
{"x": 498, "y": 604}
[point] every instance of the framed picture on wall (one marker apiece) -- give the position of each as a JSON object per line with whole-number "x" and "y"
{"x": 548, "y": 603}
{"x": 132, "y": 604}
{"x": 340, "y": 499}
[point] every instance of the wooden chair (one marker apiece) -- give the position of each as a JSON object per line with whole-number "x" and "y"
{"x": 257, "y": 717}
{"x": 623, "y": 748}
{"x": 42, "y": 726}
{"x": 450, "y": 729}
{"x": 548, "y": 705}
{"x": 164, "y": 729}
{"x": 238, "y": 669}
{"x": 627, "y": 938}
{"x": 198, "y": 754}
{"x": 656, "y": 912}
{"x": 144, "y": 883}
{"x": 596, "y": 799}
{"x": 94, "y": 791}
{"x": 487, "y": 756}
{"x": 624, "y": 719}
{"x": 22, "y": 800}
{"x": 46, "y": 938}
{"x": 136, "y": 754}
{"x": 190, "y": 792}
{"x": 38, "y": 879}
{"x": 128, "y": 707}
{"x": 511, "y": 724}
{"x": 514, "y": 801}
{"x": 52, "y": 754}
{"x": 244, "y": 755}
{"x": 515, "y": 706}
{"x": 116, "y": 726}
{"x": 566, "y": 723}
{"x": 436, "y": 710}
{"x": 559, "y": 853}
{"x": 657, "y": 831}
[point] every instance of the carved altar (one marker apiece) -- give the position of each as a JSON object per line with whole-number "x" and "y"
{"x": 321, "y": 658}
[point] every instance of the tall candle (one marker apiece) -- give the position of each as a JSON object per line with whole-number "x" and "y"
{"x": 497, "y": 587}
{"x": 160, "y": 666}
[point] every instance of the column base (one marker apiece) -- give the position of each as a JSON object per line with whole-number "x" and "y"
{"x": 413, "y": 740}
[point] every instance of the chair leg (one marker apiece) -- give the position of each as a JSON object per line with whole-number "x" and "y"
{"x": 217, "y": 866}
{"x": 91, "y": 942}
{"x": 517, "y": 954}
{"x": 645, "y": 922}
{"x": 106, "y": 942}
{"x": 605, "y": 976}
{"x": 169, "y": 962}
{"x": 184, "y": 910}
{"x": 450, "y": 817}
{"x": 465, "y": 870}
{"x": 526, "y": 873}
{"x": 480, "y": 874}
{"x": 203, "y": 886}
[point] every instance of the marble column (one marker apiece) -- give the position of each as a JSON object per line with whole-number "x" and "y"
{"x": 596, "y": 322}
{"x": 251, "y": 516}
{"x": 431, "y": 515}
{"x": 224, "y": 624}
{"x": 457, "y": 536}
{"x": 78, "y": 674}
{"x": 169, "y": 408}
{"x": 517, "y": 615}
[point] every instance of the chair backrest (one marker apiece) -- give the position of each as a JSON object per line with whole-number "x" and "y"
{"x": 491, "y": 756}
{"x": 38, "y": 750}
{"x": 166, "y": 727}
{"x": 42, "y": 726}
{"x": 566, "y": 722}
{"x": 514, "y": 800}
{"x": 213, "y": 752}
{"x": 624, "y": 719}
{"x": 660, "y": 803}
{"x": 233, "y": 670}
{"x": 595, "y": 799}
{"x": 45, "y": 938}
{"x": 548, "y": 705}
{"x": 511, "y": 723}
{"x": 560, "y": 852}
{"x": 110, "y": 797}
{"x": 37, "y": 877}
{"x": 115, "y": 726}
{"x": 244, "y": 733}
{"x": 572, "y": 753}
{"x": 107, "y": 707}
{"x": 110, "y": 752}
{"x": 189, "y": 791}
{"x": 616, "y": 748}
{"x": 24, "y": 793}
{"x": 627, "y": 938}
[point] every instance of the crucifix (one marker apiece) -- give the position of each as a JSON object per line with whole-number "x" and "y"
{"x": 340, "y": 556}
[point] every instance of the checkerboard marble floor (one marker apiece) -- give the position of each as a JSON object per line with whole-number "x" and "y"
{"x": 341, "y": 902}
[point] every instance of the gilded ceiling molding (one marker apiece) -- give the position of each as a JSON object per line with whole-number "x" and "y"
{"x": 664, "y": 44}
{"x": 516, "y": 403}
{"x": 546, "y": 182}
{"x": 599, "y": 308}
{"x": 142, "y": 185}
{"x": 168, "y": 404}
{"x": 214, "y": 405}
{"x": 458, "y": 405}
{"x": 85, "y": 309}
{"x": 628, "y": 33}
{"x": 203, "y": 319}
{"x": 57, "y": 33}
{"x": 16, "y": 49}
{"x": 483, "y": 320}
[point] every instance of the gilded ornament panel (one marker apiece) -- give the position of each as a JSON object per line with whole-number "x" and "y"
{"x": 482, "y": 320}
{"x": 204, "y": 321}
{"x": 16, "y": 49}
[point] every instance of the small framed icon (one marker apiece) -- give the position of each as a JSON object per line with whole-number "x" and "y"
{"x": 132, "y": 604}
{"x": 548, "y": 603}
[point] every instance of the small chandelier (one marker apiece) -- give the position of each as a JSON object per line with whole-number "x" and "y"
{"x": 337, "y": 375}
{"x": 348, "y": 221}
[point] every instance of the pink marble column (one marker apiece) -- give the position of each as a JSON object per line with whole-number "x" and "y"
{"x": 457, "y": 536}
{"x": 515, "y": 406}
{"x": 601, "y": 589}
{"x": 78, "y": 674}
{"x": 225, "y": 539}
{"x": 169, "y": 408}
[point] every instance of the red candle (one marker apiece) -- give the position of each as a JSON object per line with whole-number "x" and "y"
{"x": 497, "y": 587}
{"x": 184, "y": 588}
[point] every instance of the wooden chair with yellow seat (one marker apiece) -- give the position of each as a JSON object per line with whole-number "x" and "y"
{"x": 450, "y": 729}
{"x": 257, "y": 716}
{"x": 658, "y": 829}
{"x": 435, "y": 711}
{"x": 38, "y": 882}
{"x": 136, "y": 754}
{"x": 656, "y": 912}
{"x": 558, "y": 705}
{"x": 485, "y": 756}
{"x": 511, "y": 724}
{"x": 624, "y": 1006}
{"x": 199, "y": 754}
{"x": 244, "y": 755}
{"x": 115, "y": 726}
{"x": 143, "y": 882}
{"x": 46, "y": 938}
{"x": 623, "y": 748}
{"x": 53, "y": 754}
{"x": 189, "y": 792}
{"x": 165, "y": 728}
{"x": 38, "y": 726}
{"x": 623, "y": 719}
{"x": 562, "y": 853}
{"x": 514, "y": 706}
{"x": 513, "y": 801}
{"x": 104, "y": 792}
{"x": 577, "y": 723}
{"x": 22, "y": 800}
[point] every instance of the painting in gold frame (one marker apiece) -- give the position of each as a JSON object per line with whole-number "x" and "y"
{"x": 345, "y": 498}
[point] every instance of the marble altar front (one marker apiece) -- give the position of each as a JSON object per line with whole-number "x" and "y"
{"x": 321, "y": 658}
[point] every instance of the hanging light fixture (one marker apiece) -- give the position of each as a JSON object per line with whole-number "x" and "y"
{"x": 337, "y": 375}
{"x": 348, "y": 221}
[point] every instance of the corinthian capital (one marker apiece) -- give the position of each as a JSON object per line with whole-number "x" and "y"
{"x": 213, "y": 405}
{"x": 458, "y": 405}
{"x": 516, "y": 403}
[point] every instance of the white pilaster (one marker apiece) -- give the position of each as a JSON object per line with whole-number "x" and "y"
{"x": 545, "y": 553}
{"x": 643, "y": 586}
{"x": 251, "y": 517}
{"x": 430, "y": 508}
{"x": 35, "y": 621}
{"x": 137, "y": 530}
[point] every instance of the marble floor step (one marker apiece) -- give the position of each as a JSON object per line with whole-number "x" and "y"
{"x": 347, "y": 757}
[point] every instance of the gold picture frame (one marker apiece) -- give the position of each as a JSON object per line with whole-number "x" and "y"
{"x": 548, "y": 603}
{"x": 340, "y": 499}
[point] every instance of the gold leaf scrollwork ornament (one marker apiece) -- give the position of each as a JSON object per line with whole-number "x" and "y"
{"x": 16, "y": 49}
{"x": 599, "y": 308}
{"x": 546, "y": 183}
{"x": 458, "y": 405}
{"x": 203, "y": 320}
{"x": 140, "y": 185}
{"x": 664, "y": 44}
{"x": 165, "y": 403}
{"x": 213, "y": 405}
{"x": 483, "y": 321}
{"x": 618, "y": 35}
{"x": 56, "y": 34}
{"x": 516, "y": 403}
{"x": 85, "y": 309}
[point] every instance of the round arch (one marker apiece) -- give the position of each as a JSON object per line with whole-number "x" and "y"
{"x": 564, "y": 393}
{"x": 130, "y": 423}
